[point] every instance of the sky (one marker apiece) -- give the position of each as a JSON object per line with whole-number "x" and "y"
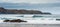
{"x": 31, "y": 1}
{"x": 52, "y": 6}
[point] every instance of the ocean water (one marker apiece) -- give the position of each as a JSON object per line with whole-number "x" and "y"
{"x": 4, "y": 16}
{"x": 17, "y": 16}
{"x": 36, "y": 18}
{"x": 27, "y": 16}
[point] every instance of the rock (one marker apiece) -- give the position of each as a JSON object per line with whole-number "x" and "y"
{"x": 16, "y": 20}
{"x": 2, "y": 10}
{"x": 6, "y": 20}
{"x": 47, "y": 13}
{"x": 6, "y": 11}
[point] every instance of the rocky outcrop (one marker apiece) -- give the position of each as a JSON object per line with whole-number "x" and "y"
{"x": 6, "y": 11}
{"x": 47, "y": 13}
{"x": 2, "y": 10}
{"x": 16, "y": 20}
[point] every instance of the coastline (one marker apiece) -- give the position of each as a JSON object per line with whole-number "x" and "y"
{"x": 28, "y": 25}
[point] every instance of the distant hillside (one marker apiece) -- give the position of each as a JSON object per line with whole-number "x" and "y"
{"x": 6, "y": 11}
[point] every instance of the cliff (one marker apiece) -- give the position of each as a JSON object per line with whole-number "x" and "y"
{"x": 6, "y": 11}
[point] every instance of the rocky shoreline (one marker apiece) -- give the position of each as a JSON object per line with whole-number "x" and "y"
{"x": 13, "y": 11}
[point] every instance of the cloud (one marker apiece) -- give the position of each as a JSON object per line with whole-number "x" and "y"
{"x": 30, "y": 1}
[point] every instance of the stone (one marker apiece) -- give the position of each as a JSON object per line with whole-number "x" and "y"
{"x": 15, "y": 20}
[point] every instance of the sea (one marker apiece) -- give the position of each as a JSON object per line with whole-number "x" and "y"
{"x": 31, "y": 18}
{"x": 27, "y": 15}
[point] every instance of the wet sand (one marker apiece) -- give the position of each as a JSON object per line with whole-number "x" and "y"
{"x": 27, "y": 25}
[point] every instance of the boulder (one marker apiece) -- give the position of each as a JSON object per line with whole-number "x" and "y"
{"x": 16, "y": 20}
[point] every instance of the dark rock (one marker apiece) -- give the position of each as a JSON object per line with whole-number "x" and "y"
{"x": 57, "y": 19}
{"x": 16, "y": 20}
{"x": 2, "y": 10}
{"x": 47, "y": 13}
{"x": 5, "y": 20}
{"x": 6, "y": 11}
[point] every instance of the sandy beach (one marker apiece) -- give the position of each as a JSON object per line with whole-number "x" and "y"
{"x": 27, "y": 25}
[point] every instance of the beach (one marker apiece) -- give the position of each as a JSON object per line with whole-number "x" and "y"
{"x": 27, "y": 25}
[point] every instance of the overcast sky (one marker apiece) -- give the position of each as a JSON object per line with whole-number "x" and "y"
{"x": 30, "y": 1}
{"x": 52, "y": 6}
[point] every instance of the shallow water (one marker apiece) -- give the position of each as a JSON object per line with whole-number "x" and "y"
{"x": 13, "y": 16}
{"x": 34, "y": 18}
